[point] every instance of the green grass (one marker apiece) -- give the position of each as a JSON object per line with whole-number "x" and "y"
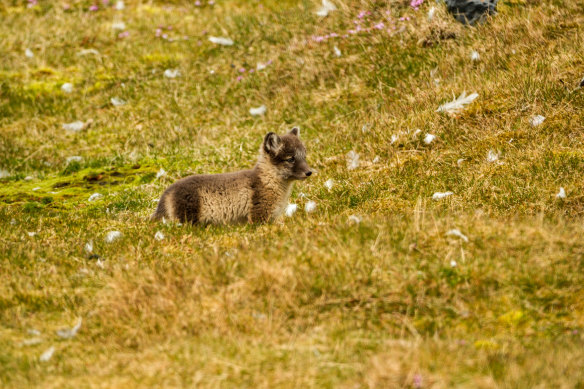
{"x": 315, "y": 300}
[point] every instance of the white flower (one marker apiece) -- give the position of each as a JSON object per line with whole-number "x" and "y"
{"x": 48, "y": 354}
{"x": 67, "y": 87}
{"x": 69, "y": 333}
{"x": 352, "y": 160}
{"x": 460, "y": 161}
{"x": 258, "y": 111}
{"x": 329, "y": 183}
{"x": 457, "y": 233}
{"x": 453, "y": 263}
{"x": 458, "y": 104}
{"x": 4, "y": 173}
{"x": 310, "y": 206}
{"x": 440, "y": 195}
{"x": 492, "y": 156}
{"x": 536, "y": 120}
{"x": 171, "y": 73}
{"x": 37, "y": 188}
{"x": 31, "y": 234}
{"x": 74, "y": 158}
{"x": 112, "y": 235}
{"x": 429, "y": 138}
{"x": 99, "y": 263}
{"x": 95, "y": 196}
{"x": 159, "y": 235}
{"x": 74, "y": 126}
{"x": 161, "y": 173}
{"x": 120, "y": 5}
{"x": 118, "y": 25}
{"x": 416, "y": 133}
{"x": 117, "y": 102}
{"x": 376, "y": 159}
{"x": 431, "y": 13}
{"x": 355, "y": 219}
{"x": 291, "y": 209}
{"x": 393, "y": 139}
{"x": 337, "y": 51}
{"x": 327, "y": 7}
{"x": 475, "y": 56}
{"x": 88, "y": 247}
{"x": 28, "y": 53}
{"x": 221, "y": 41}
{"x": 561, "y": 194}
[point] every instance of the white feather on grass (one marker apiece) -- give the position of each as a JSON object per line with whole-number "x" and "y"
{"x": 291, "y": 209}
{"x": 74, "y": 158}
{"x": 95, "y": 196}
{"x": 161, "y": 173}
{"x": 536, "y": 120}
{"x": 67, "y": 87}
{"x": 354, "y": 219}
{"x": 70, "y": 333}
{"x": 117, "y": 102}
{"x": 28, "y": 53}
{"x": 48, "y": 354}
{"x": 429, "y": 138}
{"x": 75, "y": 126}
{"x": 112, "y": 236}
{"x": 561, "y": 194}
{"x": 221, "y": 41}
{"x": 120, "y": 5}
{"x": 87, "y": 51}
{"x": 475, "y": 56}
{"x": 258, "y": 111}
{"x": 458, "y": 104}
{"x": 329, "y": 183}
{"x": 440, "y": 195}
{"x": 492, "y": 156}
{"x": 352, "y": 160}
{"x": 453, "y": 263}
{"x": 88, "y": 247}
{"x": 337, "y": 51}
{"x": 310, "y": 206}
{"x": 119, "y": 25}
{"x": 159, "y": 235}
{"x": 327, "y": 7}
{"x": 172, "y": 73}
{"x": 456, "y": 232}
{"x": 431, "y": 13}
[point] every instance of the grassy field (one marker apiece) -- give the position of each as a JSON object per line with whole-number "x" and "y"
{"x": 370, "y": 290}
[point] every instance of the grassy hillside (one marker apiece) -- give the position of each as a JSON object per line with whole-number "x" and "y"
{"x": 370, "y": 290}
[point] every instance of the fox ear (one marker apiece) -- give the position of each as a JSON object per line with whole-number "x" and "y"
{"x": 295, "y": 131}
{"x": 272, "y": 143}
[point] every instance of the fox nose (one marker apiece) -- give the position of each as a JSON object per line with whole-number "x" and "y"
{"x": 308, "y": 174}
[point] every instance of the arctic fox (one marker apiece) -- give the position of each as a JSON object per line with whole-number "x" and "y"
{"x": 257, "y": 195}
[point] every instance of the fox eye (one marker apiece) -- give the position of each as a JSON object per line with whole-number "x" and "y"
{"x": 291, "y": 160}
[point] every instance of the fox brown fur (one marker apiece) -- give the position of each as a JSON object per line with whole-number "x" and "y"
{"x": 257, "y": 195}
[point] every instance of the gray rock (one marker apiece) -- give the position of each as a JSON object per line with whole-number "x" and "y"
{"x": 471, "y": 11}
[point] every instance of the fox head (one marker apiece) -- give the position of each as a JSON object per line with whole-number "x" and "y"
{"x": 287, "y": 154}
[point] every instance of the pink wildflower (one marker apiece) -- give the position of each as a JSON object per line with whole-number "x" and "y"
{"x": 158, "y": 32}
{"x": 417, "y": 381}
{"x": 416, "y": 4}
{"x": 94, "y": 8}
{"x": 241, "y": 70}
{"x": 124, "y": 34}
{"x": 198, "y": 3}
{"x": 105, "y": 2}
{"x": 239, "y": 78}
{"x": 379, "y": 26}
{"x": 32, "y": 3}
